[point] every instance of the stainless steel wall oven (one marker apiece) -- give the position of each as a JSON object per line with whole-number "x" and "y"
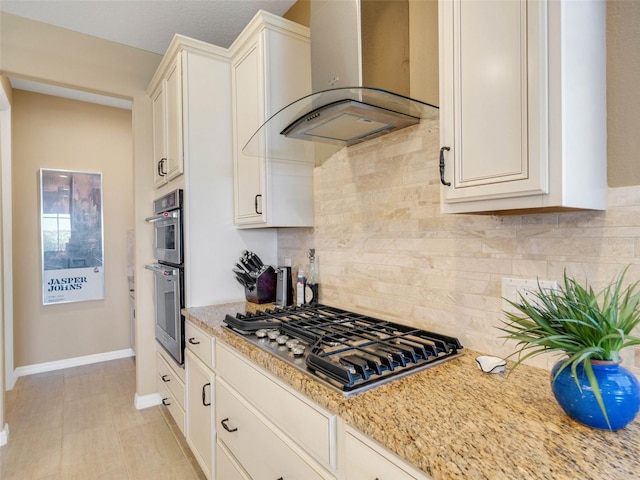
{"x": 167, "y": 228}
{"x": 169, "y": 273}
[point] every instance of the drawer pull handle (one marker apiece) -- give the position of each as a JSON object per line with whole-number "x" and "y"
{"x": 226, "y": 427}
{"x": 165, "y": 402}
{"x": 165, "y": 378}
{"x": 204, "y": 396}
{"x": 193, "y": 341}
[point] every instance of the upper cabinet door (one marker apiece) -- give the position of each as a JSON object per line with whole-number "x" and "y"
{"x": 159, "y": 137}
{"x": 174, "y": 120}
{"x": 502, "y": 85}
{"x": 168, "y": 160}
{"x": 248, "y": 103}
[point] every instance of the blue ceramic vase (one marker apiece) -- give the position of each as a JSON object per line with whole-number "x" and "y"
{"x": 619, "y": 388}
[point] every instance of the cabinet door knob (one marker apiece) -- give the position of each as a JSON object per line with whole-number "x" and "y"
{"x": 193, "y": 341}
{"x": 255, "y": 200}
{"x": 166, "y": 402}
{"x": 226, "y": 427}
{"x": 442, "y": 150}
{"x": 165, "y": 378}
{"x": 204, "y": 396}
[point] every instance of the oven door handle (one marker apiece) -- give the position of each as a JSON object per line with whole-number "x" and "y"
{"x": 163, "y": 216}
{"x": 157, "y": 268}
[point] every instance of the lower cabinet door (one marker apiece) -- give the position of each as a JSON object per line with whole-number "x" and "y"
{"x": 199, "y": 411}
{"x": 262, "y": 453}
{"x": 226, "y": 467}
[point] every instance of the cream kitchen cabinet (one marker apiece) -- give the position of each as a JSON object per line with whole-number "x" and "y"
{"x": 270, "y": 69}
{"x": 268, "y": 429}
{"x": 168, "y": 160}
{"x": 200, "y": 429}
{"x": 366, "y": 460}
{"x": 190, "y": 92}
{"x": 170, "y": 382}
{"x": 522, "y": 105}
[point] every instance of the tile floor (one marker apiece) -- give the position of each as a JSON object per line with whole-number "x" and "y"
{"x": 80, "y": 423}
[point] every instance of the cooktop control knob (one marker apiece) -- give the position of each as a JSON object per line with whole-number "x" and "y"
{"x": 282, "y": 339}
{"x": 292, "y": 342}
{"x": 273, "y": 334}
{"x": 261, "y": 333}
{"x": 297, "y": 349}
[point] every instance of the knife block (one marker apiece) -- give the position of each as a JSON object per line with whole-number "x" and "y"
{"x": 264, "y": 291}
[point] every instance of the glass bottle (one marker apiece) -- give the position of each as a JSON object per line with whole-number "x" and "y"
{"x": 311, "y": 288}
{"x": 300, "y": 284}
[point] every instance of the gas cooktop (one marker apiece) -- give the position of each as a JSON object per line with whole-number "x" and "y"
{"x": 344, "y": 350}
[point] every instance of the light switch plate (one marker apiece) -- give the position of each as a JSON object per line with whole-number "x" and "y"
{"x": 513, "y": 287}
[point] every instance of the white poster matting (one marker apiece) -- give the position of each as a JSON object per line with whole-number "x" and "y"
{"x": 72, "y": 285}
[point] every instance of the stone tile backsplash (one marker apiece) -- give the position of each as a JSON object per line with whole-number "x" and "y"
{"x": 384, "y": 249}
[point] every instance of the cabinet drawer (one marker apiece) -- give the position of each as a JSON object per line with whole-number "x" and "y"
{"x": 170, "y": 402}
{"x": 308, "y": 425}
{"x": 200, "y": 343}
{"x": 366, "y": 461}
{"x": 170, "y": 380}
{"x": 261, "y": 452}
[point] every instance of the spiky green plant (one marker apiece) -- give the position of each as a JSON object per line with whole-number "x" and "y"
{"x": 575, "y": 320}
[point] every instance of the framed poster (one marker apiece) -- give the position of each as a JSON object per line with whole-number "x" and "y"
{"x": 71, "y": 236}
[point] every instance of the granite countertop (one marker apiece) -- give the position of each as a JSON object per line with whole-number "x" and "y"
{"x": 455, "y": 422}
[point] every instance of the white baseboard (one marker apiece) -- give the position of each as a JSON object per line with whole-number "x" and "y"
{"x": 73, "y": 362}
{"x": 4, "y": 435}
{"x": 146, "y": 401}
{"x": 10, "y": 380}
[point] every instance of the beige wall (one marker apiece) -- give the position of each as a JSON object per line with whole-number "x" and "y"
{"x": 385, "y": 45}
{"x": 423, "y": 56}
{"x": 70, "y": 59}
{"x": 37, "y": 51}
{"x": 299, "y": 12}
{"x": 57, "y": 133}
{"x": 384, "y": 249}
{"x": 623, "y": 92}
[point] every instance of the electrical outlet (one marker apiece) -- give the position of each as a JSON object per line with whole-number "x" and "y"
{"x": 512, "y": 288}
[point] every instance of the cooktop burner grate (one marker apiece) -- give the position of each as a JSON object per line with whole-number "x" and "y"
{"x": 349, "y": 351}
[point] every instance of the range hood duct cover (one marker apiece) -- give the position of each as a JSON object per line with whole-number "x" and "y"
{"x": 343, "y": 116}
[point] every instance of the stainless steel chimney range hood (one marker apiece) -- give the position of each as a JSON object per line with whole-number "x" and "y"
{"x": 342, "y": 33}
{"x": 335, "y": 118}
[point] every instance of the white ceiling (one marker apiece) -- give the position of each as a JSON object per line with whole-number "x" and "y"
{"x": 148, "y": 24}
{"x": 145, "y": 24}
